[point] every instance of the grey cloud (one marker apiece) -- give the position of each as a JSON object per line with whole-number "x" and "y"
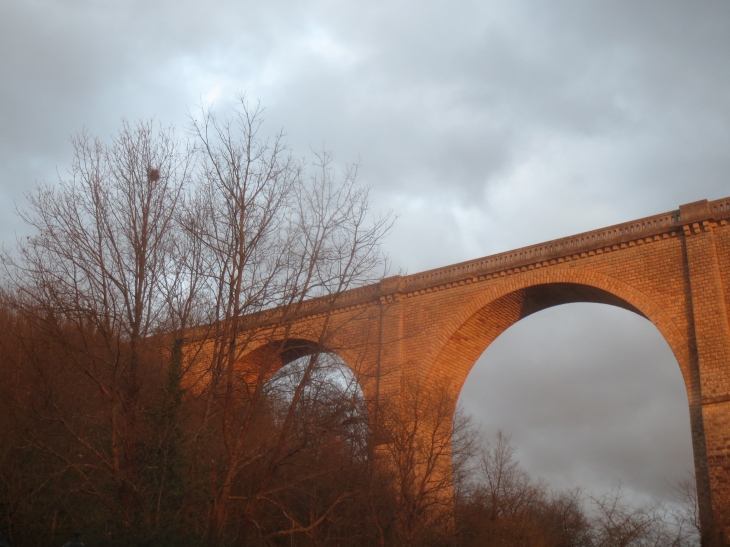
{"x": 591, "y": 395}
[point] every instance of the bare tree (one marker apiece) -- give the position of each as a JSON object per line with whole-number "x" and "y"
{"x": 687, "y": 512}
{"x": 91, "y": 278}
{"x": 503, "y": 505}
{"x": 272, "y": 235}
{"x": 508, "y": 488}
{"x": 425, "y": 441}
{"x": 131, "y": 303}
{"x": 618, "y": 523}
{"x": 564, "y": 519}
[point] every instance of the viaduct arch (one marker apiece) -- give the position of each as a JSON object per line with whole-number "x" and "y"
{"x": 672, "y": 268}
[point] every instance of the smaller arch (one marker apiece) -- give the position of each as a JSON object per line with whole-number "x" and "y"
{"x": 270, "y": 356}
{"x": 278, "y": 366}
{"x": 264, "y": 360}
{"x": 329, "y": 368}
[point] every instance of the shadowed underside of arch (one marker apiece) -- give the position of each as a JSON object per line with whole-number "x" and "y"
{"x": 265, "y": 360}
{"x": 503, "y": 306}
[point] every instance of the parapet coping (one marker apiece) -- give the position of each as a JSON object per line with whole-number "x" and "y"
{"x": 545, "y": 254}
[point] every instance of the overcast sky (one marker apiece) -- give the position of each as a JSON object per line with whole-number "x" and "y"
{"x": 485, "y": 125}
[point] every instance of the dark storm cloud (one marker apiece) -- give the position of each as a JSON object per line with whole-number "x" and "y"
{"x": 484, "y": 125}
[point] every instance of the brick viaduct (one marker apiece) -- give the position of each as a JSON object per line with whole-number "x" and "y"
{"x": 672, "y": 268}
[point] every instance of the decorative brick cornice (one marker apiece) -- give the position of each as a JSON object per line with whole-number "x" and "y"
{"x": 612, "y": 238}
{"x": 688, "y": 219}
{"x": 699, "y": 216}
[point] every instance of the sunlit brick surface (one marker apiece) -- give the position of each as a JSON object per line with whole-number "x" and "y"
{"x": 673, "y": 268}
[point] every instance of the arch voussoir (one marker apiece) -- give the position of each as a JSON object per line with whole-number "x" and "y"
{"x": 489, "y": 302}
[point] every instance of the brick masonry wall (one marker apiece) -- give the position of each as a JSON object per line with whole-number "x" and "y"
{"x": 673, "y": 269}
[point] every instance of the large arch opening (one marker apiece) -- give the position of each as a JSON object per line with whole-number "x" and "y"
{"x": 642, "y": 438}
{"x": 591, "y": 395}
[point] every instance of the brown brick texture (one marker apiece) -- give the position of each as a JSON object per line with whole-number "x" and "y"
{"x": 673, "y": 269}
